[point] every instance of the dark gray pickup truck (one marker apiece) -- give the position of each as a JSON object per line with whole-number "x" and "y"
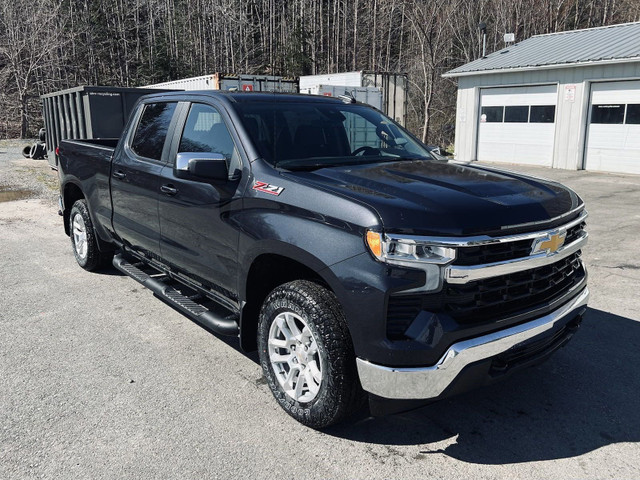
{"x": 331, "y": 240}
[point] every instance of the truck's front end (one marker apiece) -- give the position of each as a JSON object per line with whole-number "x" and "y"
{"x": 468, "y": 273}
{"x": 488, "y": 306}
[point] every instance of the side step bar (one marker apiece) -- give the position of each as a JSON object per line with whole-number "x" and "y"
{"x": 223, "y": 325}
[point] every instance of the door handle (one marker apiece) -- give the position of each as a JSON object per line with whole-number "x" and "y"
{"x": 168, "y": 189}
{"x": 119, "y": 174}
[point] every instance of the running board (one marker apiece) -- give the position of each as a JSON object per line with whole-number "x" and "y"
{"x": 221, "y": 324}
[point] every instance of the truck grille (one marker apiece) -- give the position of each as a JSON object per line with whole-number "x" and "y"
{"x": 491, "y": 299}
{"x": 498, "y": 297}
{"x": 574, "y": 232}
{"x": 499, "y": 252}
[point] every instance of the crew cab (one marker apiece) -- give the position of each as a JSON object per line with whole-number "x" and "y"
{"x": 330, "y": 239}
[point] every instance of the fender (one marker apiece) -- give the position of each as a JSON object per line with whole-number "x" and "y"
{"x": 294, "y": 237}
{"x": 291, "y": 238}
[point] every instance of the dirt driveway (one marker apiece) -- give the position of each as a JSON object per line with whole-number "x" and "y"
{"x": 101, "y": 380}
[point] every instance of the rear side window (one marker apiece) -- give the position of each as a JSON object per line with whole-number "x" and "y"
{"x": 153, "y": 126}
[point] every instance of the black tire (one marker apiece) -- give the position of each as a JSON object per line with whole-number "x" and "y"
{"x": 340, "y": 393}
{"x": 39, "y": 151}
{"x": 26, "y": 151}
{"x": 88, "y": 256}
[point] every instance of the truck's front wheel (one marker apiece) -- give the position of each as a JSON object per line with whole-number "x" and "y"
{"x": 307, "y": 355}
{"x": 83, "y": 238}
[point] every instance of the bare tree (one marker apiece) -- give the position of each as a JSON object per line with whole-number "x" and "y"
{"x": 431, "y": 37}
{"x": 47, "y": 45}
{"x": 30, "y": 40}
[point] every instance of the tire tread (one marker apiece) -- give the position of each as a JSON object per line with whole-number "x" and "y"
{"x": 95, "y": 258}
{"x": 344, "y": 394}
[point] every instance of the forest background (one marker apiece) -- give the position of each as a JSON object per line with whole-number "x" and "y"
{"x": 49, "y": 45}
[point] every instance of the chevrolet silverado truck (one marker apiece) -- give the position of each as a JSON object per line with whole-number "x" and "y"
{"x": 328, "y": 238}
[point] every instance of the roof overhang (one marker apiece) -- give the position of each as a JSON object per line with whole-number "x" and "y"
{"x": 542, "y": 67}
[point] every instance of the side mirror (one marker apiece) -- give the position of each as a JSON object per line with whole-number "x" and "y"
{"x": 204, "y": 165}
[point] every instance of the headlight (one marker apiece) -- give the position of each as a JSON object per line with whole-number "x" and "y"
{"x": 401, "y": 250}
{"x": 414, "y": 253}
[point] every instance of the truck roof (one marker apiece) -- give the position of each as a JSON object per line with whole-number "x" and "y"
{"x": 242, "y": 97}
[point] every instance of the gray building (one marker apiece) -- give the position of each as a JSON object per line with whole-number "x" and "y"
{"x": 565, "y": 100}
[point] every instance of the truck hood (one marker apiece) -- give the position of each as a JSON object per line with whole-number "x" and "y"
{"x": 441, "y": 198}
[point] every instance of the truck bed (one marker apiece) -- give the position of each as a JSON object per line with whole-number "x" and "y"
{"x": 90, "y": 162}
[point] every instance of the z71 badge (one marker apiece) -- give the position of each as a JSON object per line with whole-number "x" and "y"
{"x": 266, "y": 188}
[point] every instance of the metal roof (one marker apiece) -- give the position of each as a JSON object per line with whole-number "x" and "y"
{"x": 612, "y": 44}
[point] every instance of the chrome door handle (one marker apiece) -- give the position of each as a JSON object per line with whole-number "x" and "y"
{"x": 168, "y": 189}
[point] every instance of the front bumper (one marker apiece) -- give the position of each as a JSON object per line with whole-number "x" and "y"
{"x": 433, "y": 381}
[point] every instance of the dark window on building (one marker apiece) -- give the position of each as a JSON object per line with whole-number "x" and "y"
{"x": 633, "y": 113}
{"x": 607, "y": 114}
{"x": 148, "y": 140}
{"x": 492, "y": 114}
{"x": 516, "y": 114}
{"x": 542, "y": 114}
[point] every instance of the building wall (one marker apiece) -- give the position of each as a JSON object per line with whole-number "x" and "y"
{"x": 571, "y": 110}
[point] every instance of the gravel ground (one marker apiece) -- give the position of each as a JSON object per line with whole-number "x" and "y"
{"x": 102, "y": 380}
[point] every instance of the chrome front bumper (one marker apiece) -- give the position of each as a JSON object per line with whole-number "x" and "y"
{"x": 430, "y": 382}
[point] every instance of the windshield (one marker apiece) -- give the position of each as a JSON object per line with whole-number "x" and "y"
{"x": 309, "y": 135}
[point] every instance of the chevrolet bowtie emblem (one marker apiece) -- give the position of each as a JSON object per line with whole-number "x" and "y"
{"x": 549, "y": 244}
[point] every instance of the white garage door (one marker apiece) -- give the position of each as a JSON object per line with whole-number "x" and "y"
{"x": 517, "y": 124}
{"x": 613, "y": 138}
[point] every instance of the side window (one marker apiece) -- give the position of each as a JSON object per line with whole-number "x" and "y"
{"x": 205, "y": 131}
{"x": 151, "y": 132}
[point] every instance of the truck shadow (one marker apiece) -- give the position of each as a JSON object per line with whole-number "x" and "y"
{"x": 585, "y": 397}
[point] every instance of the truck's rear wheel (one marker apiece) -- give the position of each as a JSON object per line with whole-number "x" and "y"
{"x": 307, "y": 355}
{"x": 83, "y": 238}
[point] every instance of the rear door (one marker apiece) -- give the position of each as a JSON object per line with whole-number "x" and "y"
{"x": 135, "y": 177}
{"x": 196, "y": 216}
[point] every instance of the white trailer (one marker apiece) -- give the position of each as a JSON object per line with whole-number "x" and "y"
{"x": 369, "y": 95}
{"x": 220, "y": 81}
{"x": 394, "y": 88}
{"x": 361, "y": 133}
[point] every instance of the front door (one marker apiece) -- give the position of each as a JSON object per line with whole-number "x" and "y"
{"x": 196, "y": 217}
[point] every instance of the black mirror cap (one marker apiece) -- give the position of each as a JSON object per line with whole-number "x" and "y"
{"x": 214, "y": 169}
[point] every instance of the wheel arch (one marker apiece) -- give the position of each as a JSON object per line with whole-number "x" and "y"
{"x": 266, "y": 272}
{"x": 71, "y": 193}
